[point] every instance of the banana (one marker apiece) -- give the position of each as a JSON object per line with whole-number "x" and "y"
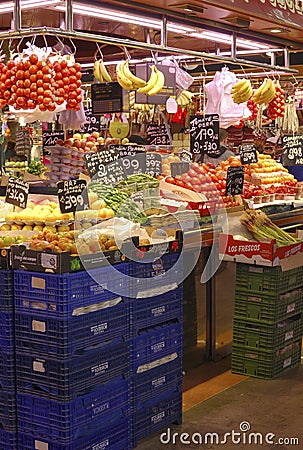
{"x": 239, "y": 85}
{"x": 135, "y": 81}
{"x": 151, "y": 82}
{"x": 188, "y": 95}
{"x": 241, "y": 91}
{"x": 97, "y": 73}
{"x": 158, "y": 84}
{"x": 103, "y": 71}
{"x": 265, "y": 92}
{"x": 124, "y": 82}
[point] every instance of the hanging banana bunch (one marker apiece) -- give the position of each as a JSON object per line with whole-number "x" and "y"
{"x": 131, "y": 82}
{"x": 265, "y": 93}
{"x": 100, "y": 71}
{"x": 184, "y": 98}
{"x": 241, "y": 91}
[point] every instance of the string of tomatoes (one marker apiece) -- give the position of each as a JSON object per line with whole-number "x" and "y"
{"x": 29, "y": 83}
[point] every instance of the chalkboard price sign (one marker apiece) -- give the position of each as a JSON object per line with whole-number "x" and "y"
{"x": 153, "y": 164}
{"x": 50, "y": 138}
{"x": 127, "y": 150}
{"x": 94, "y": 160}
{"x": 178, "y": 168}
{"x": 134, "y": 164}
{"x": 93, "y": 122}
{"x": 248, "y": 154}
{"x": 72, "y": 195}
{"x": 292, "y": 154}
{"x": 111, "y": 173}
{"x": 204, "y": 135}
{"x": 157, "y": 134}
{"x": 235, "y": 180}
{"x": 17, "y": 192}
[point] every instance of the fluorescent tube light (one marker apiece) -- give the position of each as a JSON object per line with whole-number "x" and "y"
{"x": 27, "y": 4}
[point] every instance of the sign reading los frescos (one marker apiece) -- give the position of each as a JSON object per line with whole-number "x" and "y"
{"x": 284, "y": 11}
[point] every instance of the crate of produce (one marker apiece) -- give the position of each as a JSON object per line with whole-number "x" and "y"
{"x": 7, "y": 331}
{"x": 8, "y": 440}
{"x": 265, "y": 364}
{"x": 68, "y": 421}
{"x": 154, "y": 382}
{"x": 7, "y": 370}
{"x": 269, "y": 309}
{"x": 267, "y": 337}
{"x": 146, "y": 312}
{"x": 267, "y": 280}
{"x": 68, "y": 294}
{"x": 156, "y": 414}
{"x": 64, "y": 379}
{"x": 70, "y": 335}
{"x": 8, "y": 417}
{"x": 114, "y": 436}
{"x": 156, "y": 276}
{"x": 154, "y": 345}
{"x": 6, "y": 291}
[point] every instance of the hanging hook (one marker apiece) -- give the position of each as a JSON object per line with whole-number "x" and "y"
{"x": 98, "y": 50}
{"x": 127, "y": 54}
{"x": 19, "y": 44}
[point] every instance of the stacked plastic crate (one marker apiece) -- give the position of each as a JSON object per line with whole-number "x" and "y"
{"x": 72, "y": 359}
{"x": 267, "y": 329}
{"x": 156, "y": 344}
{"x": 8, "y": 418}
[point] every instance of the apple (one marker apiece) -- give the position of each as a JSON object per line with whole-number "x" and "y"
{"x": 96, "y": 134}
{"x": 77, "y": 143}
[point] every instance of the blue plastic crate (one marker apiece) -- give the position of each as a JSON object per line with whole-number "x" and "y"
{"x": 156, "y": 381}
{"x": 156, "y": 277}
{"x": 8, "y": 416}
{"x": 7, "y": 370}
{"x": 153, "y": 344}
{"x": 146, "y": 312}
{"x": 67, "y": 421}
{"x": 65, "y": 337}
{"x": 7, "y": 331}
{"x": 67, "y": 294}
{"x": 68, "y": 378}
{"x": 8, "y": 440}
{"x": 113, "y": 437}
{"x": 156, "y": 414}
{"x": 6, "y": 290}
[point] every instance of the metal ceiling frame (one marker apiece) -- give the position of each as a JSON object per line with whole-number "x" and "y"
{"x": 69, "y": 33}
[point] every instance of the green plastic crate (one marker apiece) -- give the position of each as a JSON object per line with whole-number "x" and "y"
{"x": 267, "y": 280}
{"x": 266, "y": 365}
{"x": 268, "y": 309}
{"x": 252, "y": 335}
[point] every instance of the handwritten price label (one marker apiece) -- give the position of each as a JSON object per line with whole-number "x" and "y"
{"x": 234, "y": 181}
{"x": 17, "y": 192}
{"x": 292, "y": 150}
{"x": 72, "y": 195}
{"x": 204, "y": 135}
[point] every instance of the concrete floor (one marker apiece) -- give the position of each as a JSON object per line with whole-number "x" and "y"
{"x": 274, "y": 406}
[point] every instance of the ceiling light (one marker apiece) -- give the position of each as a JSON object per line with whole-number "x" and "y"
{"x": 276, "y": 30}
{"x": 27, "y": 4}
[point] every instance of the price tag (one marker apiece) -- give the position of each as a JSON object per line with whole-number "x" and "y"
{"x": 127, "y": 150}
{"x": 50, "y": 138}
{"x": 177, "y": 168}
{"x": 153, "y": 164}
{"x": 17, "y": 192}
{"x": 72, "y": 195}
{"x": 94, "y": 160}
{"x": 234, "y": 181}
{"x": 292, "y": 153}
{"x": 248, "y": 154}
{"x": 185, "y": 155}
{"x": 204, "y": 135}
{"x": 93, "y": 122}
{"x": 134, "y": 164}
{"x": 157, "y": 134}
{"x": 111, "y": 173}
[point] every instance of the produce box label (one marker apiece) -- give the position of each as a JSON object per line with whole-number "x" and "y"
{"x": 261, "y": 253}
{"x": 248, "y": 154}
{"x": 93, "y": 160}
{"x": 17, "y": 192}
{"x": 292, "y": 153}
{"x": 72, "y": 195}
{"x": 157, "y": 134}
{"x": 234, "y": 180}
{"x": 204, "y": 135}
{"x": 153, "y": 164}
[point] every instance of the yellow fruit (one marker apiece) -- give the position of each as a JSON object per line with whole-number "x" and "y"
{"x": 27, "y": 227}
{"x": 16, "y": 227}
{"x": 5, "y": 227}
{"x": 63, "y": 228}
{"x": 37, "y": 228}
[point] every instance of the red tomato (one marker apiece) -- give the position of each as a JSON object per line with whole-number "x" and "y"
{"x": 33, "y": 69}
{"x": 20, "y": 74}
{"x": 33, "y": 58}
{"x": 40, "y": 90}
{"x": 40, "y": 82}
{"x": 33, "y": 95}
{"x": 33, "y": 78}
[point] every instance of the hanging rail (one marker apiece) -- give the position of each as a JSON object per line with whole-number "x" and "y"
{"x": 28, "y": 32}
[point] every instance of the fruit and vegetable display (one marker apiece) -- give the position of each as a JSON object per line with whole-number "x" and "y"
{"x": 166, "y": 171}
{"x": 36, "y": 168}
{"x": 35, "y": 80}
{"x": 8, "y": 241}
{"x": 263, "y": 229}
{"x": 11, "y": 167}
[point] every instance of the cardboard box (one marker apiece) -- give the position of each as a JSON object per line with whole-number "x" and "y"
{"x": 261, "y": 253}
